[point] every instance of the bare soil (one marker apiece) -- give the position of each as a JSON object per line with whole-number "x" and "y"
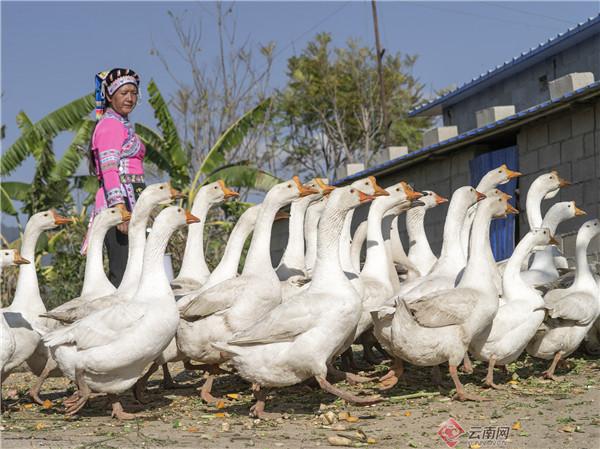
{"x": 539, "y": 413}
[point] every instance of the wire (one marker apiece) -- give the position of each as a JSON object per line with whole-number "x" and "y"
{"x": 528, "y": 12}
{"x": 481, "y": 16}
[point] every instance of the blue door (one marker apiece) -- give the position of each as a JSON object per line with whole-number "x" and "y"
{"x": 502, "y": 231}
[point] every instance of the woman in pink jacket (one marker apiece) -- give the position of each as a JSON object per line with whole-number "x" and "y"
{"x": 117, "y": 154}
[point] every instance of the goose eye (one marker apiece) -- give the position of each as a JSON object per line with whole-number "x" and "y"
{"x": 551, "y": 177}
{"x": 397, "y": 189}
{"x": 215, "y": 187}
{"x": 351, "y": 190}
{"x": 45, "y": 215}
{"x": 112, "y": 211}
{"x": 162, "y": 187}
{"x": 179, "y": 210}
{"x": 289, "y": 186}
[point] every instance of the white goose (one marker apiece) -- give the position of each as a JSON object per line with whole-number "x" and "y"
{"x": 490, "y": 181}
{"x": 292, "y": 265}
{"x": 452, "y": 260}
{"x": 80, "y": 307}
{"x": 22, "y": 316}
{"x": 419, "y": 251}
{"x": 8, "y": 257}
{"x": 138, "y": 222}
{"x": 542, "y": 269}
{"x": 215, "y": 314}
{"x": 439, "y": 327}
{"x": 298, "y": 339}
{"x": 194, "y": 272}
{"x": 108, "y": 350}
{"x": 571, "y": 311}
{"x": 520, "y": 314}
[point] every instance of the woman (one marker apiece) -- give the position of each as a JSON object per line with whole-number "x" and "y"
{"x": 117, "y": 154}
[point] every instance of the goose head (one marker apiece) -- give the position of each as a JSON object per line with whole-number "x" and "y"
{"x": 217, "y": 192}
{"x": 369, "y": 186}
{"x": 47, "y": 220}
{"x": 286, "y": 192}
{"x": 560, "y": 212}
{"x": 400, "y": 194}
{"x": 589, "y": 230}
{"x": 548, "y": 184}
{"x": 499, "y": 205}
{"x": 540, "y": 238}
{"x": 347, "y": 198}
{"x": 497, "y": 176}
{"x": 319, "y": 187}
{"x": 323, "y": 186}
{"x": 11, "y": 257}
{"x": 465, "y": 197}
{"x": 160, "y": 193}
{"x": 430, "y": 199}
{"x": 112, "y": 216}
{"x": 173, "y": 217}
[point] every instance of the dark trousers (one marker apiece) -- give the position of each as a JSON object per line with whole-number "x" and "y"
{"x": 117, "y": 246}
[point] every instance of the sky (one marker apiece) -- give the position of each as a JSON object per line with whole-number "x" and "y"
{"x": 51, "y": 50}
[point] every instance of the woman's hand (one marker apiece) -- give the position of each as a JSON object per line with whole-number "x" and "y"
{"x": 123, "y": 227}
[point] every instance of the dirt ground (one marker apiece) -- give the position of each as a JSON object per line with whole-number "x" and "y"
{"x": 532, "y": 413}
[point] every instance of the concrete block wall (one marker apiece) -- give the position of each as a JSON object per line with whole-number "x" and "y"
{"x": 525, "y": 89}
{"x": 570, "y": 144}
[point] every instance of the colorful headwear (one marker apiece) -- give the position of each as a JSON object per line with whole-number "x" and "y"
{"x": 107, "y": 83}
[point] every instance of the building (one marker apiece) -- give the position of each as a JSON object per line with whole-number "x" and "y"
{"x": 538, "y": 112}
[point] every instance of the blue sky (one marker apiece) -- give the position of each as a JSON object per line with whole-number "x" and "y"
{"x": 51, "y": 50}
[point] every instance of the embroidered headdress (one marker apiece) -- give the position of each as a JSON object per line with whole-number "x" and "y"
{"x": 107, "y": 83}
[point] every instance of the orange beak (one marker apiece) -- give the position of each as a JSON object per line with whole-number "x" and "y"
{"x": 20, "y": 260}
{"x": 511, "y": 174}
{"x": 411, "y": 195}
{"x": 510, "y": 209}
{"x": 281, "y": 215}
{"x": 191, "y": 219}
{"x": 364, "y": 198}
{"x": 579, "y": 212}
{"x": 480, "y": 196}
{"x": 326, "y": 189}
{"x": 125, "y": 214}
{"x": 226, "y": 190}
{"x": 561, "y": 182}
{"x": 304, "y": 191}
{"x": 440, "y": 199}
{"x": 175, "y": 194}
{"x": 553, "y": 241}
{"x": 378, "y": 190}
{"x": 60, "y": 220}
{"x": 506, "y": 196}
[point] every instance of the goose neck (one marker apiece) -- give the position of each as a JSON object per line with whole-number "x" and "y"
{"x": 345, "y": 245}
{"x": 478, "y": 273}
{"x": 328, "y": 271}
{"x": 415, "y": 226}
{"x": 194, "y": 265}
{"x": 584, "y": 278}
{"x": 376, "y": 253}
{"x": 293, "y": 256}
{"x": 313, "y": 216}
{"x": 95, "y": 278}
{"x": 27, "y": 294}
{"x": 452, "y": 250}
{"x": 137, "y": 241}
{"x": 258, "y": 259}
{"x": 513, "y": 285}
{"x": 154, "y": 282}
{"x": 533, "y": 204}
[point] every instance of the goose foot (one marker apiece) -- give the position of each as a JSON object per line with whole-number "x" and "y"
{"x": 461, "y": 394}
{"x": 346, "y": 395}
{"x": 258, "y": 409}
{"x": 140, "y": 386}
{"x": 489, "y": 379}
{"x": 392, "y": 376}
{"x": 348, "y": 362}
{"x": 34, "y": 392}
{"x": 168, "y": 383}
{"x": 549, "y": 373}
{"x": 205, "y": 390}
{"x": 354, "y": 379}
{"x": 491, "y": 384}
{"x": 119, "y": 413}
{"x": 83, "y": 395}
{"x": 467, "y": 366}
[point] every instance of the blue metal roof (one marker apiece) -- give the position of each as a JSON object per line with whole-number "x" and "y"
{"x": 521, "y": 115}
{"x": 527, "y": 58}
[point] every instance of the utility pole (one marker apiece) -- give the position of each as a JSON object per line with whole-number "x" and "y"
{"x": 380, "y": 52}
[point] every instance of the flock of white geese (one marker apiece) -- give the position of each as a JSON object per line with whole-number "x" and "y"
{"x": 277, "y": 327}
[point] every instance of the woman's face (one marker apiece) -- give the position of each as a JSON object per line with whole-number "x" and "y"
{"x": 124, "y": 99}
